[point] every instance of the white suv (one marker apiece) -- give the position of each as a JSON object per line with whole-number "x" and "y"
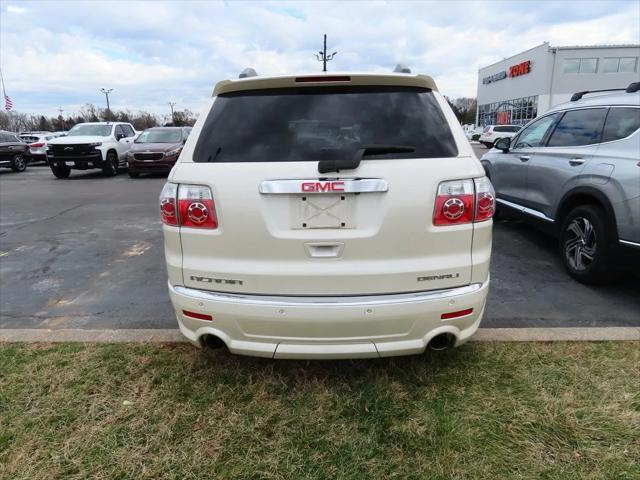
{"x": 492, "y": 133}
{"x": 328, "y": 216}
{"x": 101, "y": 145}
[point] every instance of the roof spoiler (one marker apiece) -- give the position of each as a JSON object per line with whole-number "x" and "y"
{"x": 632, "y": 88}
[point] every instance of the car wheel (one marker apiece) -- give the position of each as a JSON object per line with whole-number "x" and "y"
{"x": 134, "y": 174}
{"x": 110, "y": 166}
{"x": 18, "y": 163}
{"x": 586, "y": 246}
{"x": 60, "y": 171}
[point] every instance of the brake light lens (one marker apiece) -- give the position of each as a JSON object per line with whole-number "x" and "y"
{"x": 454, "y": 203}
{"x": 485, "y": 199}
{"x": 168, "y": 204}
{"x": 188, "y": 206}
{"x": 464, "y": 201}
{"x": 195, "y": 207}
{"x": 37, "y": 145}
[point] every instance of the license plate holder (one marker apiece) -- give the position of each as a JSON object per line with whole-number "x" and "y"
{"x": 322, "y": 211}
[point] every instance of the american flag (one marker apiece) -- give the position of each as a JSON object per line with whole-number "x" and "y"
{"x": 8, "y": 104}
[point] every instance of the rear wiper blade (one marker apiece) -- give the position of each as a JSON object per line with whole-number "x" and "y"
{"x": 325, "y": 166}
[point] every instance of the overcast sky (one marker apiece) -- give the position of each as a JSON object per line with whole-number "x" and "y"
{"x": 60, "y": 53}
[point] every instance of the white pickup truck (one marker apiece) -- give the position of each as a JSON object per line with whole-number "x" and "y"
{"x": 102, "y": 145}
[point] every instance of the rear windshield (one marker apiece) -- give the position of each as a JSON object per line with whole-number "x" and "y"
{"x": 160, "y": 136}
{"x": 329, "y": 123}
{"x": 506, "y": 128}
{"x": 28, "y": 139}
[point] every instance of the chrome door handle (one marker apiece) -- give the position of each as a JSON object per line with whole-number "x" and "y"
{"x": 576, "y": 161}
{"x": 525, "y": 158}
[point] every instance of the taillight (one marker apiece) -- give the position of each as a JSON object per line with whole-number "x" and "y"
{"x": 454, "y": 203}
{"x": 37, "y": 145}
{"x": 195, "y": 207}
{"x": 168, "y": 204}
{"x": 464, "y": 201}
{"x": 188, "y": 206}
{"x": 485, "y": 199}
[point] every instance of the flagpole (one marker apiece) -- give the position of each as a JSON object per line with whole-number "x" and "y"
{"x": 4, "y": 92}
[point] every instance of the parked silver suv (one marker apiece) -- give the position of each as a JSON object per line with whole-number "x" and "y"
{"x": 576, "y": 169}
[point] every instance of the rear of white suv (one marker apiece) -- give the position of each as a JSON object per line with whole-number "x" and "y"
{"x": 328, "y": 216}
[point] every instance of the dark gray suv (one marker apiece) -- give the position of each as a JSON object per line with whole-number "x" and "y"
{"x": 576, "y": 170}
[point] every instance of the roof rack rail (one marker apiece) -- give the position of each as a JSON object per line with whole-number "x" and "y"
{"x": 632, "y": 88}
{"x": 400, "y": 68}
{"x": 248, "y": 72}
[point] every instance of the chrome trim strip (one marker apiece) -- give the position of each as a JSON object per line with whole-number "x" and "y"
{"x": 630, "y": 243}
{"x": 528, "y": 211}
{"x": 351, "y": 185}
{"x": 348, "y": 301}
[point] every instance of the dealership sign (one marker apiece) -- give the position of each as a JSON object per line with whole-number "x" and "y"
{"x": 514, "y": 71}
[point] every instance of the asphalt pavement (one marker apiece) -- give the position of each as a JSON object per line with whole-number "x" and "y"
{"x": 87, "y": 253}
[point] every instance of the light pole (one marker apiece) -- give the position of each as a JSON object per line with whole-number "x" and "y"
{"x": 106, "y": 94}
{"x": 171, "y": 105}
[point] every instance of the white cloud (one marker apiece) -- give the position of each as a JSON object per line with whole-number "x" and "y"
{"x": 153, "y": 52}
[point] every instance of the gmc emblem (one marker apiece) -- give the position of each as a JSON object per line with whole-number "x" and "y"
{"x": 320, "y": 187}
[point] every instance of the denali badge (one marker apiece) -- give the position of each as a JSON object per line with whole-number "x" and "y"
{"x": 224, "y": 281}
{"x": 439, "y": 277}
{"x": 318, "y": 187}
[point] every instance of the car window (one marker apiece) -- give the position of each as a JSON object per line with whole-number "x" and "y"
{"x": 534, "y": 134}
{"x": 119, "y": 131}
{"x": 28, "y": 139}
{"x": 486, "y": 129}
{"x": 128, "y": 131}
{"x": 506, "y": 128}
{"x": 3, "y": 137}
{"x": 620, "y": 123}
{"x": 92, "y": 130}
{"x": 327, "y": 123}
{"x": 578, "y": 127}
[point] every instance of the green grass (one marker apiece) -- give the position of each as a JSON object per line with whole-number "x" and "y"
{"x": 495, "y": 411}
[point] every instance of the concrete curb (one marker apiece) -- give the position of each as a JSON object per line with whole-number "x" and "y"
{"x": 588, "y": 334}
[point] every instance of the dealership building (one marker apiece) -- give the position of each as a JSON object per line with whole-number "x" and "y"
{"x": 519, "y": 88}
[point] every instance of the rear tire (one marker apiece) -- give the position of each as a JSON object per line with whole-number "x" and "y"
{"x": 18, "y": 163}
{"x": 586, "y": 246}
{"x": 60, "y": 171}
{"x": 110, "y": 166}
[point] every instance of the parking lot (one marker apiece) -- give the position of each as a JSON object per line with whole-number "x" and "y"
{"x": 87, "y": 253}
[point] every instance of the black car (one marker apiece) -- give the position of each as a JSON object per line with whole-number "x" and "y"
{"x": 13, "y": 153}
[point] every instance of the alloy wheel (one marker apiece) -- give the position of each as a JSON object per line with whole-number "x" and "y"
{"x": 580, "y": 245}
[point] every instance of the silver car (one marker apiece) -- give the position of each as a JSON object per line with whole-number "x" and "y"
{"x": 576, "y": 170}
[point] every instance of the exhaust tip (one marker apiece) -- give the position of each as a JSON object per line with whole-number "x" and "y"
{"x": 442, "y": 341}
{"x": 211, "y": 342}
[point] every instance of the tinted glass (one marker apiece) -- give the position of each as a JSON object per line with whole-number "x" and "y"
{"x": 621, "y": 122}
{"x": 610, "y": 65}
{"x": 578, "y": 127}
{"x": 534, "y": 134}
{"x": 312, "y": 124}
{"x": 628, "y": 65}
{"x": 4, "y": 137}
{"x": 507, "y": 128}
{"x": 94, "y": 130}
{"x": 28, "y": 139}
{"x": 588, "y": 65}
{"x": 160, "y": 136}
{"x": 571, "y": 65}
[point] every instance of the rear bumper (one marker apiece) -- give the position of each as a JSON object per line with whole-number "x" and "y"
{"x": 329, "y": 327}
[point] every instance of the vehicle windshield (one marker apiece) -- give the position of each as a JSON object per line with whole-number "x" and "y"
{"x": 327, "y": 123}
{"x": 160, "y": 136}
{"x": 90, "y": 130}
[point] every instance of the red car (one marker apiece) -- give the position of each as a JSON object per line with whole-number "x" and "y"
{"x": 156, "y": 150}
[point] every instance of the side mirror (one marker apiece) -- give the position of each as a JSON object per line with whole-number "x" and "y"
{"x": 503, "y": 144}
